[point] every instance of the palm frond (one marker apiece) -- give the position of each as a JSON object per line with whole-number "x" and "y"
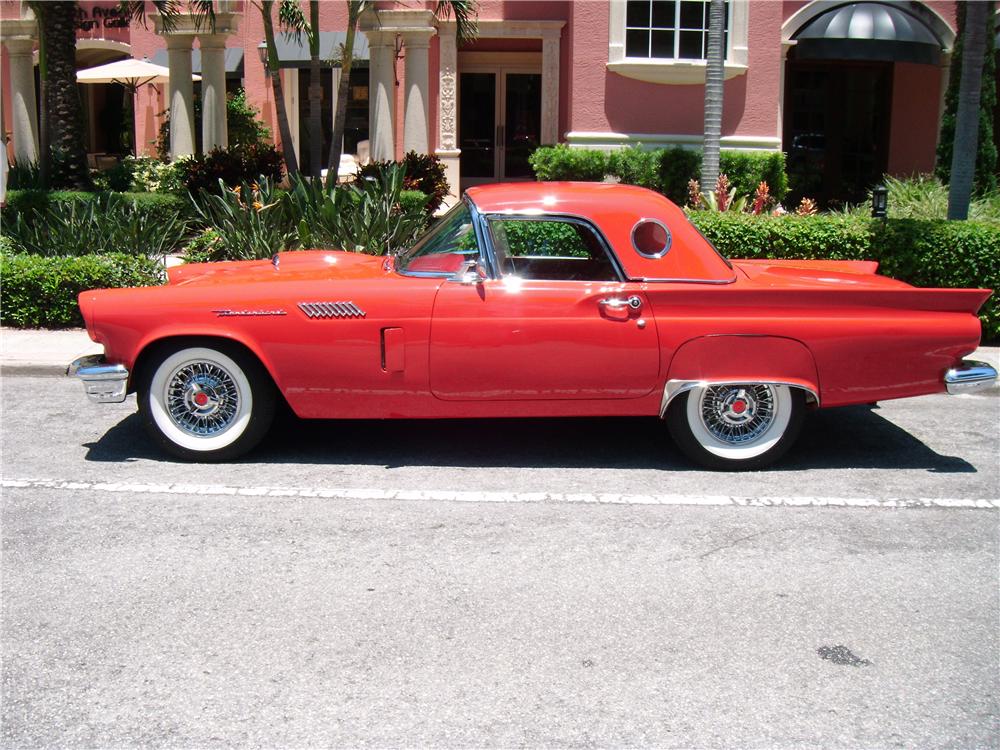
{"x": 293, "y": 19}
{"x": 466, "y": 13}
{"x": 170, "y": 11}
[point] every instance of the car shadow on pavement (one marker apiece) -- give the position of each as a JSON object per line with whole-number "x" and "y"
{"x": 848, "y": 437}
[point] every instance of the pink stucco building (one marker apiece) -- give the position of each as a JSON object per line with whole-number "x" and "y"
{"x": 847, "y": 90}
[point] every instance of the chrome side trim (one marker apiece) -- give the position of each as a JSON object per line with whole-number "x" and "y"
{"x": 331, "y": 310}
{"x": 102, "y": 382}
{"x": 970, "y": 377}
{"x": 686, "y": 281}
{"x": 674, "y": 388}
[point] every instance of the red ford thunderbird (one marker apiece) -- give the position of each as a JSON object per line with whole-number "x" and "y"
{"x": 541, "y": 299}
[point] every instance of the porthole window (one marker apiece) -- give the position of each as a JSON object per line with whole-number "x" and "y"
{"x": 651, "y": 238}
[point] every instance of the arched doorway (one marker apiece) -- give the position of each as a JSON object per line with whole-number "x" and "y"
{"x": 862, "y": 92}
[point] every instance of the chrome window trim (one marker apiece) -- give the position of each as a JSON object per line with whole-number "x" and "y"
{"x": 652, "y": 256}
{"x": 565, "y": 218}
{"x": 654, "y": 280}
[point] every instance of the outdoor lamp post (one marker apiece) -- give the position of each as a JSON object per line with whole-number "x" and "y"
{"x": 880, "y": 202}
{"x": 262, "y": 53}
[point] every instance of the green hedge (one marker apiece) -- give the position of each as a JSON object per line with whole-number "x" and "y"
{"x": 41, "y": 292}
{"x": 927, "y": 253}
{"x": 666, "y": 170}
{"x": 161, "y": 206}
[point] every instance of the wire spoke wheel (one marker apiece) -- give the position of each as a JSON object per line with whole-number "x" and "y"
{"x": 736, "y": 425}
{"x": 738, "y": 414}
{"x": 202, "y": 398}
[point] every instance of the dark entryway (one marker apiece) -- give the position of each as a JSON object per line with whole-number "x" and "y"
{"x": 836, "y": 128}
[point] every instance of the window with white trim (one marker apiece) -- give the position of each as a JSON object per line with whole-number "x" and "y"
{"x": 669, "y": 29}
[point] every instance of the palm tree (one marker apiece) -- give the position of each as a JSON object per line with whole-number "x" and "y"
{"x": 293, "y": 22}
{"x": 714, "y": 73}
{"x": 963, "y": 158}
{"x": 63, "y": 156}
{"x": 266, "y": 8}
{"x": 465, "y": 13}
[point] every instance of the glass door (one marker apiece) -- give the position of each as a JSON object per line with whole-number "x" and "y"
{"x": 500, "y": 121}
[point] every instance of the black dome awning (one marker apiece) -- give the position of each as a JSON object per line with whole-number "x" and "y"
{"x": 868, "y": 31}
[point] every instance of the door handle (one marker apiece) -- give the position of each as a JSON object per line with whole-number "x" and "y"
{"x": 633, "y": 302}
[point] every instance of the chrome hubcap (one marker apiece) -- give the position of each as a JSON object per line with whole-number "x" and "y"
{"x": 737, "y": 414}
{"x": 202, "y": 399}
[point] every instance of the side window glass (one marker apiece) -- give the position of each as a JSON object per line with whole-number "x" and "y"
{"x": 551, "y": 250}
{"x": 445, "y": 247}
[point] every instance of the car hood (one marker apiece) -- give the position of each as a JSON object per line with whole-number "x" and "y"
{"x": 286, "y": 266}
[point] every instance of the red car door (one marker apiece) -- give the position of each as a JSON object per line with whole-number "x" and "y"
{"x": 559, "y": 323}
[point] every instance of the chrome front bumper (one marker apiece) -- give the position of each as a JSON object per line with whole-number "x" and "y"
{"x": 104, "y": 383}
{"x": 970, "y": 377}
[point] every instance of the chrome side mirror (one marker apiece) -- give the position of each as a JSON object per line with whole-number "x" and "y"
{"x": 472, "y": 271}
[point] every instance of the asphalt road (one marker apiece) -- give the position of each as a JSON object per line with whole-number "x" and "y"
{"x": 455, "y": 584}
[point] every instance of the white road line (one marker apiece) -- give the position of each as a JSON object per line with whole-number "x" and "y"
{"x": 501, "y": 497}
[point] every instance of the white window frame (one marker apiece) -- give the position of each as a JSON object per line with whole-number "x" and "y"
{"x": 677, "y": 70}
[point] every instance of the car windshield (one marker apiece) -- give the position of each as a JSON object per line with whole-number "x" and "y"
{"x": 445, "y": 247}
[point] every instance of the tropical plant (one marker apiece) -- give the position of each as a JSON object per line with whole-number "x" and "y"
{"x": 723, "y": 198}
{"x": 762, "y": 200}
{"x": 423, "y": 172}
{"x": 107, "y": 224}
{"x": 714, "y": 72}
{"x": 967, "y": 115}
{"x": 243, "y": 125}
{"x": 230, "y": 166}
{"x": 806, "y": 207}
{"x": 249, "y": 218}
{"x": 368, "y": 216}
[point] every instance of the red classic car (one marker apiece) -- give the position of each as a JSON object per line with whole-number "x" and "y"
{"x": 534, "y": 299}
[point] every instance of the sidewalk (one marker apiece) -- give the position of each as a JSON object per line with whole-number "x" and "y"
{"x": 39, "y": 352}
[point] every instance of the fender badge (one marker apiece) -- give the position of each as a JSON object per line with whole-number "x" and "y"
{"x": 227, "y": 313}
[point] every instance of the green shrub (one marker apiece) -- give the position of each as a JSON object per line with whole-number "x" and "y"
{"x": 747, "y": 169}
{"x": 678, "y": 166}
{"x": 665, "y": 170}
{"x": 549, "y": 238}
{"x": 928, "y": 253}
{"x": 24, "y": 176}
{"x": 40, "y": 292}
{"x": 923, "y": 196}
{"x": 230, "y": 167}
{"x": 250, "y": 220}
{"x": 424, "y": 173}
{"x": 160, "y": 207}
{"x": 636, "y": 166}
{"x": 142, "y": 174}
{"x": 108, "y": 223}
{"x": 561, "y": 162}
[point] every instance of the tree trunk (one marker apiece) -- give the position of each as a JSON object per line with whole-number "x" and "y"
{"x": 714, "y": 73}
{"x": 315, "y": 94}
{"x": 44, "y": 157}
{"x": 343, "y": 90}
{"x": 284, "y": 132}
{"x": 963, "y": 158}
{"x": 65, "y": 112}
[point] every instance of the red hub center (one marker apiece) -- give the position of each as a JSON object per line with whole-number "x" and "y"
{"x": 739, "y": 406}
{"x": 200, "y": 399}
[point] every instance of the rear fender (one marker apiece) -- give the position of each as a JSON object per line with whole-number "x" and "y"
{"x": 734, "y": 359}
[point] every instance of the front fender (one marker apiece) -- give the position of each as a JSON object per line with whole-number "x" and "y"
{"x": 733, "y": 358}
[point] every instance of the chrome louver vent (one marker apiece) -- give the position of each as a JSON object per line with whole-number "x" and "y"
{"x": 331, "y": 310}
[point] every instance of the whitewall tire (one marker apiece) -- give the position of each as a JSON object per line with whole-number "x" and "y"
{"x": 740, "y": 426}
{"x": 206, "y": 403}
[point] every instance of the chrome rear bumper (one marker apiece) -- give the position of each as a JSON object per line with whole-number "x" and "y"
{"x": 103, "y": 383}
{"x": 970, "y": 377}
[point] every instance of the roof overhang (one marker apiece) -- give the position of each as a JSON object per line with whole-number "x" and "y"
{"x": 233, "y": 57}
{"x": 868, "y": 31}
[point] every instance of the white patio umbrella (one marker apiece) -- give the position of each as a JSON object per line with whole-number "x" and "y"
{"x": 132, "y": 74}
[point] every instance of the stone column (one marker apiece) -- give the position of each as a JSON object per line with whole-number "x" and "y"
{"x": 381, "y": 94}
{"x": 415, "y": 116}
{"x": 180, "y": 95}
{"x": 214, "y": 133}
{"x": 24, "y": 111}
{"x": 447, "y": 142}
{"x": 550, "y": 86}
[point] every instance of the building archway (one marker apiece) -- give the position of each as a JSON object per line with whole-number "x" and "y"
{"x": 857, "y": 103}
